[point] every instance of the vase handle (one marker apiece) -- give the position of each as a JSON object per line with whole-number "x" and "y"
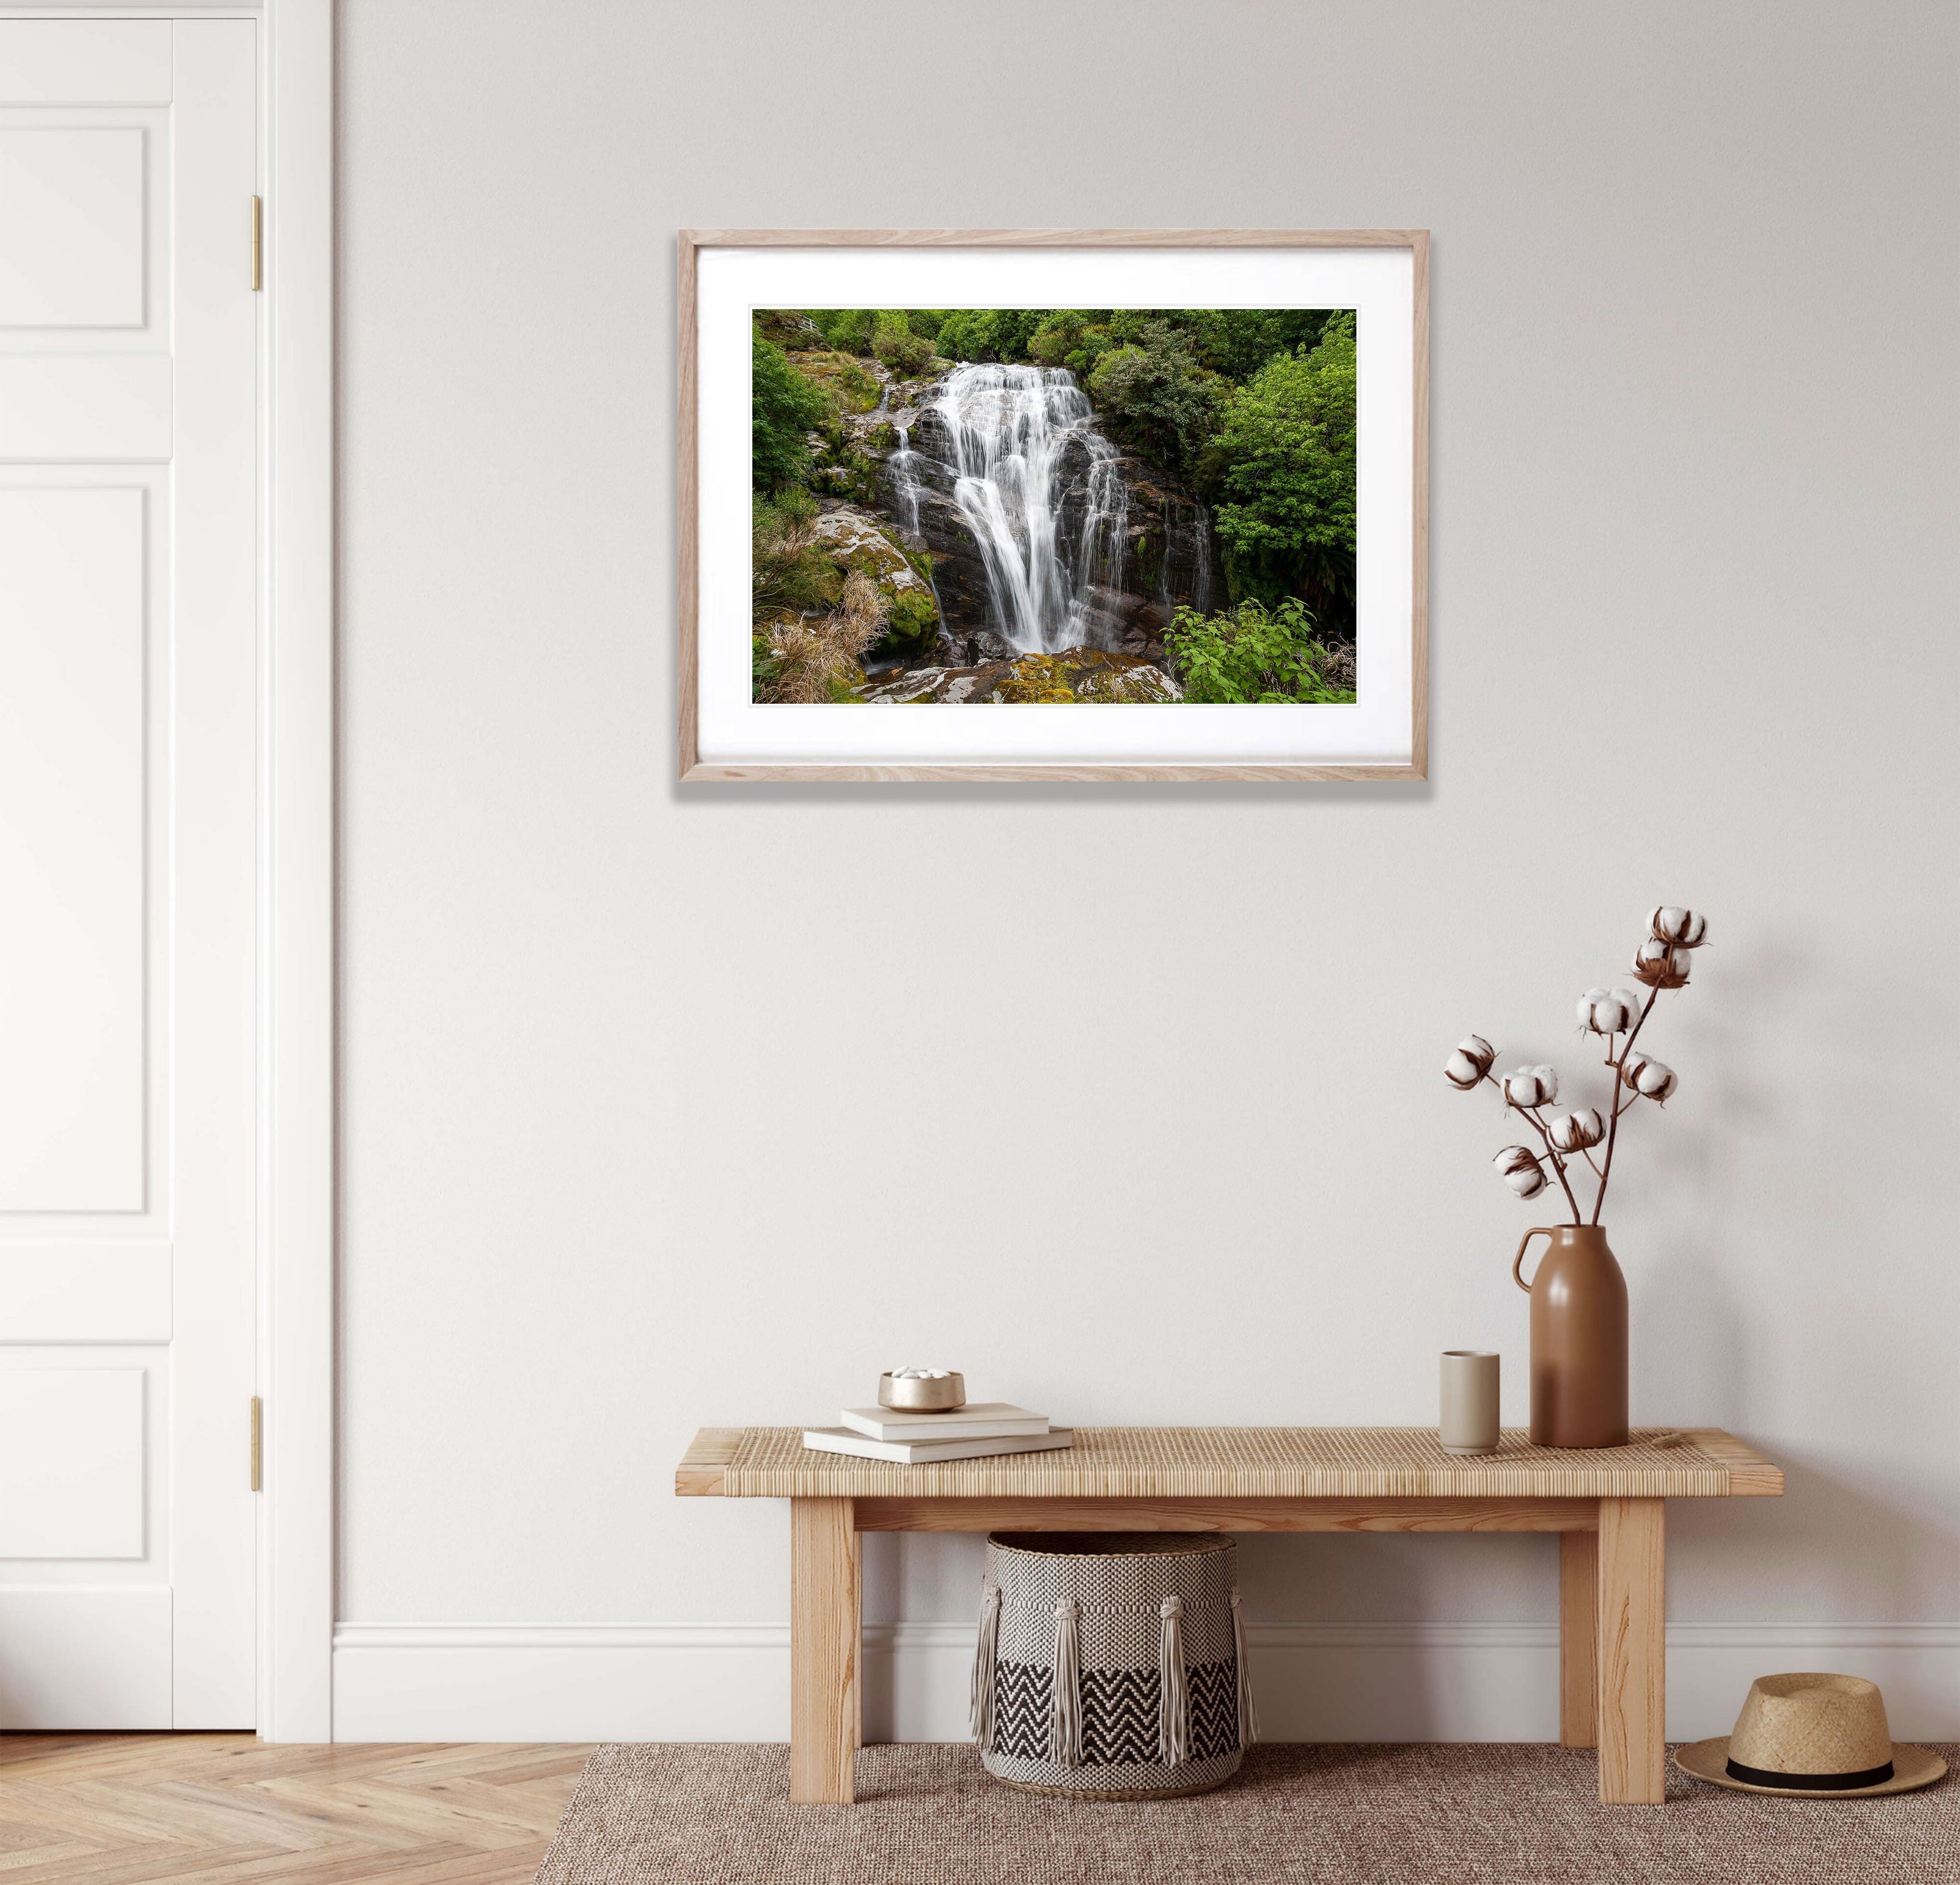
{"x": 1518, "y": 1261}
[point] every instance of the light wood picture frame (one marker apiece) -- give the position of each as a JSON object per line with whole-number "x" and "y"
{"x": 720, "y": 274}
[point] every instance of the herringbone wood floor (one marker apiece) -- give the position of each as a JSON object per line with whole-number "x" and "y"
{"x": 228, "y": 1810}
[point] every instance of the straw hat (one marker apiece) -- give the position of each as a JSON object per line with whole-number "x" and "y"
{"x": 1822, "y": 1736}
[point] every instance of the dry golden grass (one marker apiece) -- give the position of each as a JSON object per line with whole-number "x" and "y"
{"x": 819, "y": 656}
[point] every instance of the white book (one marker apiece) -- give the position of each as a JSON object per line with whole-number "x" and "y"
{"x": 919, "y": 1452}
{"x": 978, "y": 1419}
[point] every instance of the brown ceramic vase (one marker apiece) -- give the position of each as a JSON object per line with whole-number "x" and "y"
{"x": 1578, "y": 1339}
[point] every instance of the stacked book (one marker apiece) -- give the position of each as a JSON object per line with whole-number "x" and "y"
{"x": 911, "y": 1439}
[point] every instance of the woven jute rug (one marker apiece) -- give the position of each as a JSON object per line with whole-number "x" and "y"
{"x": 1402, "y": 1814}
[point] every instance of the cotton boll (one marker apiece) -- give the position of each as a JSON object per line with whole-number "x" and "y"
{"x": 1574, "y": 1132}
{"x": 1608, "y": 1010}
{"x": 1531, "y": 1087}
{"x": 1471, "y": 1061}
{"x": 1685, "y": 928}
{"x": 1662, "y": 965}
{"x": 1649, "y": 1077}
{"x": 1518, "y": 1168}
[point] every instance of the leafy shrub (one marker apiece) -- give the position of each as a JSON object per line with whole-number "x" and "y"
{"x": 787, "y": 408}
{"x": 1283, "y": 463}
{"x": 990, "y": 333}
{"x": 968, "y": 333}
{"x": 850, "y": 328}
{"x": 926, "y": 322}
{"x": 1074, "y": 338}
{"x": 893, "y": 340}
{"x": 1156, "y": 399}
{"x": 786, "y": 569}
{"x": 1247, "y": 653}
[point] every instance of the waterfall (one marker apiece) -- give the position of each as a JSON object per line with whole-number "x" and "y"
{"x": 1016, "y": 440}
{"x": 904, "y": 464}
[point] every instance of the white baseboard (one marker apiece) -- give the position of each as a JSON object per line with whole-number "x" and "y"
{"x": 1316, "y": 1682}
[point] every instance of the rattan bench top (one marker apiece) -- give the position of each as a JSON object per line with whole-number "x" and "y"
{"x": 1241, "y": 1462}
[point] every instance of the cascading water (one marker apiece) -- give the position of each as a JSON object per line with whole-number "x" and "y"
{"x": 904, "y": 466}
{"x": 1017, "y": 442}
{"x": 1201, "y": 598}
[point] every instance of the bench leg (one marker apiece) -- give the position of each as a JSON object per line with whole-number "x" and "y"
{"x": 1632, "y": 1650}
{"x": 824, "y": 1622}
{"x": 1578, "y": 1638}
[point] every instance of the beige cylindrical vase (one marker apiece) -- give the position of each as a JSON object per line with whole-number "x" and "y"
{"x": 1469, "y": 1422}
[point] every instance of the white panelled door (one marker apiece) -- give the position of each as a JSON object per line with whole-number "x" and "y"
{"x": 129, "y": 379}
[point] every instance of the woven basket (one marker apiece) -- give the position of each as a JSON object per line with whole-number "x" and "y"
{"x": 1111, "y": 1666}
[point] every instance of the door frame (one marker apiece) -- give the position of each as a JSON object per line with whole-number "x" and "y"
{"x": 295, "y": 1154}
{"x": 298, "y": 1173}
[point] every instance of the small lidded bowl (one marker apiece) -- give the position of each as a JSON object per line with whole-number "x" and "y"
{"x": 923, "y": 1391}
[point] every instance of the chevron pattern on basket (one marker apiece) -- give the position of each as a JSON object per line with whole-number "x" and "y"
{"x": 1119, "y": 1716}
{"x": 1119, "y": 1712}
{"x": 1021, "y": 1693}
{"x": 1214, "y": 1708}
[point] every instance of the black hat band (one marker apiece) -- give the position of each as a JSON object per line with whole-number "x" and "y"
{"x": 1815, "y": 1783}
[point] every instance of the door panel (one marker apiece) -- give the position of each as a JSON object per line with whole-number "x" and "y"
{"x": 99, "y": 408}
{"x": 72, "y": 1098}
{"x": 128, "y": 836}
{"x": 77, "y": 1490}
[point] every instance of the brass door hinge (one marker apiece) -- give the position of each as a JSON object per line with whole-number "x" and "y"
{"x": 258, "y": 1444}
{"x": 257, "y": 245}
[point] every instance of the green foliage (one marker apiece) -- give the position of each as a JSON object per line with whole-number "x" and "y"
{"x": 1248, "y": 654}
{"x": 895, "y": 343}
{"x": 967, "y": 333}
{"x": 1156, "y": 399}
{"x": 849, "y": 329}
{"x": 1282, "y": 462}
{"x": 787, "y": 571}
{"x": 786, "y": 407}
{"x": 990, "y": 333}
{"x": 765, "y": 666}
{"x": 926, "y": 322}
{"x": 1235, "y": 341}
{"x": 849, "y": 387}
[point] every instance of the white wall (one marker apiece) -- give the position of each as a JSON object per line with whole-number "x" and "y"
{"x": 664, "y": 1108}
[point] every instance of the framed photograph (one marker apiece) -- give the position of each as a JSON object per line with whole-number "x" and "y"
{"x": 1111, "y": 504}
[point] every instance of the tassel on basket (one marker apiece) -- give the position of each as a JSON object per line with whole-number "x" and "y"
{"x": 980, "y": 1704}
{"x": 1248, "y": 1718}
{"x": 1064, "y": 1708}
{"x": 1173, "y": 1691}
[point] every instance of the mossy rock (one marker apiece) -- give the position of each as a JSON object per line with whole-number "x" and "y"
{"x": 1086, "y": 675}
{"x": 853, "y": 539}
{"x": 914, "y": 623}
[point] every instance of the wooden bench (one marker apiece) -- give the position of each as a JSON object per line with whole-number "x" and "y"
{"x": 1607, "y": 1507}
